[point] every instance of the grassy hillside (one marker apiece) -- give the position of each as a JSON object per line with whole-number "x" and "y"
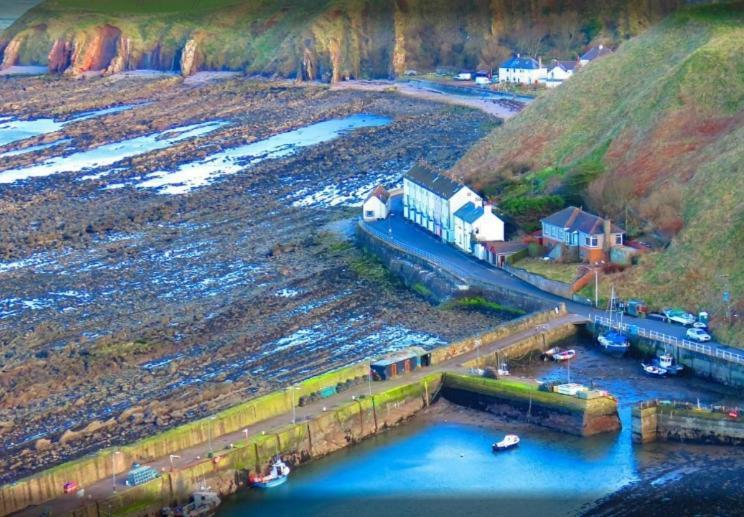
{"x": 319, "y": 39}
{"x": 652, "y": 136}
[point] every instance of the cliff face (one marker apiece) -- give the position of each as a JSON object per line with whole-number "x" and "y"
{"x": 327, "y": 40}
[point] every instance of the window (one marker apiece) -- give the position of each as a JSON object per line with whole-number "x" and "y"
{"x": 618, "y": 239}
{"x": 369, "y": 213}
{"x": 591, "y": 241}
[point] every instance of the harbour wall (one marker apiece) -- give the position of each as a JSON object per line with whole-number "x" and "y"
{"x": 522, "y": 401}
{"x": 685, "y": 422}
{"x": 295, "y": 443}
{"x": 719, "y": 369}
{"x": 441, "y": 285}
{"x": 47, "y": 485}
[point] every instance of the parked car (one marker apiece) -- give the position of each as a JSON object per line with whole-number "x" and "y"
{"x": 70, "y": 487}
{"x": 698, "y": 335}
{"x": 679, "y": 316}
{"x": 464, "y": 76}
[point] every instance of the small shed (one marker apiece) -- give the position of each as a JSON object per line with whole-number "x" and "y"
{"x": 399, "y": 363}
{"x": 377, "y": 204}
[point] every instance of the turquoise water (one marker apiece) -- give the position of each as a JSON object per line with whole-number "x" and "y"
{"x": 444, "y": 467}
{"x": 448, "y": 468}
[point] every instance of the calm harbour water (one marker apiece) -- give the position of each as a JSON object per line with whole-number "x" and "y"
{"x": 447, "y": 468}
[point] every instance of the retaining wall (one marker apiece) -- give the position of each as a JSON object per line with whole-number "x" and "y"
{"x": 415, "y": 268}
{"x": 47, "y": 484}
{"x": 669, "y": 421}
{"x": 521, "y": 401}
{"x": 561, "y": 289}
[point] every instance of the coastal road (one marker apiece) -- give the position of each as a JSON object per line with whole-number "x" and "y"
{"x": 104, "y": 488}
{"x": 397, "y": 230}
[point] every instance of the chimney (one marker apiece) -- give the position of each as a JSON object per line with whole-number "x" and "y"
{"x": 607, "y": 234}
{"x": 487, "y": 208}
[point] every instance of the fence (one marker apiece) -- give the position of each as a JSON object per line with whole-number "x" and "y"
{"x": 635, "y": 330}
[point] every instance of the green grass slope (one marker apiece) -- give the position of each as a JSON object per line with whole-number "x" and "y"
{"x": 652, "y": 136}
{"x": 327, "y": 39}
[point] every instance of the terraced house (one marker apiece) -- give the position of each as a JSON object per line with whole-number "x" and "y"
{"x": 431, "y": 199}
{"x": 572, "y": 234}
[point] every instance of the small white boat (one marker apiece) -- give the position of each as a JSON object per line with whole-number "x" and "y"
{"x": 278, "y": 475}
{"x": 667, "y": 362}
{"x": 548, "y": 354}
{"x": 509, "y": 442}
{"x": 653, "y": 370}
{"x": 564, "y": 355}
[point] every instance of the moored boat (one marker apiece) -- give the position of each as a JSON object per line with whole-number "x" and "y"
{"x": 614, "y": 343}
{"x": 667, "y": 362}
{"x": 278, "y": 475}
{"x": 548, "y": 354}
{"x": 509, "y": 442}
{"x": 653, "y": 370}
{"x": 564, "y": 355}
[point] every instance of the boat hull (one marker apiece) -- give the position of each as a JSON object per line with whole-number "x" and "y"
{"x": 271, "y": 483}
{"x": 497, "y": 448}
{"x": 613, "y": 347}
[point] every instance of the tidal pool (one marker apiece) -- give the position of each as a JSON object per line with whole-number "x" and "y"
{"x": 448, "y": 468}
{"x": 435, "y": 467}
{"x": 201, "y": 172}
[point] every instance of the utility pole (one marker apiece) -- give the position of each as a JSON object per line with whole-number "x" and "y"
{"x": 113, "y": 469}
{"x": 369, "y": 375}
{"x": 596, "y": 288}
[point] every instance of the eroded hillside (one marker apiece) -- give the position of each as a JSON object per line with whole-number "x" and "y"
{"x": 309, "y": 39}
{"x": 651, "y": 136}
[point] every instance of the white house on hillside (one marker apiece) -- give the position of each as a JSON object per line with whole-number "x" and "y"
{"x": 558, "y": 72}
{"x": 476, "y": 223}
{"x": 431, "y": 200}
{"x": 377, "y": 204}
{"x": 522, "y": 70}
{"x": 594, "y": 53}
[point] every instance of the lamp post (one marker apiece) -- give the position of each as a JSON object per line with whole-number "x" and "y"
{"x": 172, "y": 457}
{"x": 113, "y": 469}
{"x": 294, "y": 410}
{"x": 245, "y": 432}
{"x": 369, "y": 376}
{"x": 477, "y": 352}
{"x": 596, "y": 288}
{"x": 209, "y": 431}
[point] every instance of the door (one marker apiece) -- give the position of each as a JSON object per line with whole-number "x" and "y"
{"x": 393, "y": 370}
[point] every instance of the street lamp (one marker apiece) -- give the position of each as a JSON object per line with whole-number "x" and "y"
{"x": 113, "y": 469}
{"x": 369, "y": 376}
{"x": 245, "y": 432}
{"x": 209, "y": 430}
{"x": 294, "y": 411}
{"x": 596, "y": 288}
{"x": 172, "y": 457}
{"x": 477, "y": 352}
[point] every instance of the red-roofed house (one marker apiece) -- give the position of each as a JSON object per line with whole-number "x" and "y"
{"x": 376, "y": 206}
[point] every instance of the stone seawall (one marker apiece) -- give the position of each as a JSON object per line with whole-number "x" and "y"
{"x": 47, "y": 484}
{"x": 522, "y": 401}
{"x": 682, "y": 422}
{"x": 414, "y": 269}
{"x": 545, "y": 284}
{"x": 296, "y": 444}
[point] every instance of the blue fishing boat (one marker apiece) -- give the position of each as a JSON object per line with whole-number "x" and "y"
{"x": 278, "y": 475}
{"x": 614, "y": 343}
{"x": 667, "y": 362}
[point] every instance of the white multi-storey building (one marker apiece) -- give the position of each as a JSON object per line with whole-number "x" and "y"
{"x": 475, "y": 224}
{"x": 431, "y": 200}
{"x": 522, "y": 70}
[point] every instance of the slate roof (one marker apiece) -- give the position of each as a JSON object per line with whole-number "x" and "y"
{"x": 432, "y": 181}
{"x": 575, "y": 219}
{"x": 469, "y": 212}
{"x": 595, "y": 52}
{"x": 380, "y": 193}
{"x": 566, "y": 65}
{"x": 526, "y": 63}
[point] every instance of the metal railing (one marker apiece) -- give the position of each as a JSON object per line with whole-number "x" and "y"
{"x": 635, "y": 330}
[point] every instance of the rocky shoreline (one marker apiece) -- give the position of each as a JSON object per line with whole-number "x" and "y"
{"x": 126, "y": 312}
